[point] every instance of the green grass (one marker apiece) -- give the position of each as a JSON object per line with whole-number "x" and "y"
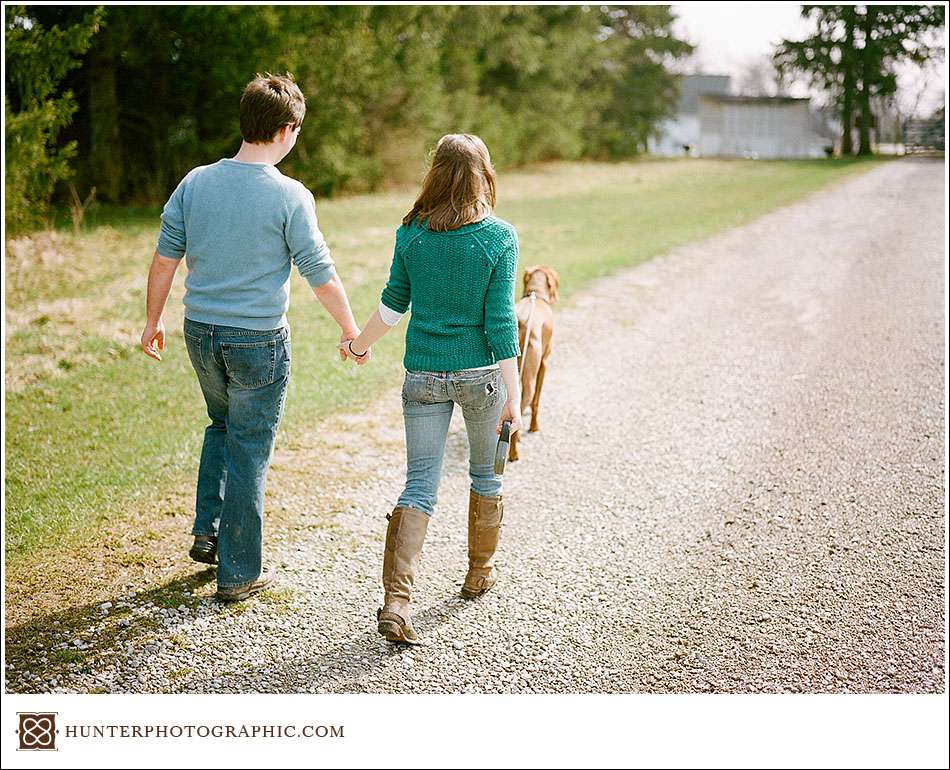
{"x": 97, "y": 432}
{"x": 67, "y": 656}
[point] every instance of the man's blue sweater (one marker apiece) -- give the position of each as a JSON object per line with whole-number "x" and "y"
{"x": 240, "y": 226}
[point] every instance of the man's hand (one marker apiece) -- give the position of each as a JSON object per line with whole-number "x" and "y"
{"x": 153, "y": 340}
{"x": 344, "y": 338}
{"x": 333, "y": 297}
{"x": 160, "y": 277}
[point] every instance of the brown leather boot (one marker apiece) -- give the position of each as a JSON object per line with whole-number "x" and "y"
{"x": 484, "y": 526}
{"x": 404, "y": 538}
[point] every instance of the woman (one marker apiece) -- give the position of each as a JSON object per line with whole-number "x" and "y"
{"x": 455, "y": 263}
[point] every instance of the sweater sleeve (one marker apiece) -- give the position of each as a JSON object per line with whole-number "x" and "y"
{"x": 172, "y": 241}
{"x": 501, "y": 323}
{"x": 396, "y": 295}
{"x": 308, "y": 249}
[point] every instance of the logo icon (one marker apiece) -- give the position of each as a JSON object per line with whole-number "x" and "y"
{"x": 37, "y": 732}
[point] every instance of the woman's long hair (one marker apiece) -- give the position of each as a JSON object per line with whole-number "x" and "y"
{"x": 459, "y": 187}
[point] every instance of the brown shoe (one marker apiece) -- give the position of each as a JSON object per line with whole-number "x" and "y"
{"x": 239, "y": 593}
{"x": 484, "y": 525}
{"x": 404, "y": 538}
{"x": 205, "y": 549}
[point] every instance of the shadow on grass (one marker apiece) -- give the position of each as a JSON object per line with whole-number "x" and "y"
{"x": 26, "y": 643}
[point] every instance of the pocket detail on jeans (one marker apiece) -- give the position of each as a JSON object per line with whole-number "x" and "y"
{"x": 415, "y": 389}
{"x": 251, "y": 364}
{"x": 481, "y": 393}
{"x": 492, "y": 390}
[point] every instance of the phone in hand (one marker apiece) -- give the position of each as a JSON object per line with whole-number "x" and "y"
{"x": 501, "y": 451}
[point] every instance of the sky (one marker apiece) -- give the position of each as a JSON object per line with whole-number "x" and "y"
{"x": 730, "y": 36}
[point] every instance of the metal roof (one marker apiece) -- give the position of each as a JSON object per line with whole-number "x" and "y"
{"x": 727, "y": 99}
{"x": 691, "y": 87}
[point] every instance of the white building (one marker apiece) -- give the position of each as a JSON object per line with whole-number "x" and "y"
{"x": 758, "y": 127}
{"x": 679, "y": 135}
{"x": 710, "y": 122}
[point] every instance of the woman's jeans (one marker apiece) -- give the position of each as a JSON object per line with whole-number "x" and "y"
{"x": 428, "y": 399}
{"x": 243, "y": 375}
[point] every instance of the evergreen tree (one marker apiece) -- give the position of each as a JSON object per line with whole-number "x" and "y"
{"x": 158, "y": 91}
{"x": 37, "y": 59}
{"x": 853, "y": 52}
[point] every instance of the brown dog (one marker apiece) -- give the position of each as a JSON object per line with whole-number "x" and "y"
{"x": 536, "y": 339}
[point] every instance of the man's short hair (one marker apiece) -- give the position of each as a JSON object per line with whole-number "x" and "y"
{"x": 269, "y": 103}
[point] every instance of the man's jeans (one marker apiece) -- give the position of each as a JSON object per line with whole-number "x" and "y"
{"x": 428, "y": 399}
{"x": 243, "y": 375}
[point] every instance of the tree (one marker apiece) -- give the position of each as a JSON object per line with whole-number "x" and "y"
{"x": 826, "y": 59}
{"x": 525, "y": 72}
{"x": 635, "y": 62}
{"x": 889, "y": 35}
{"x": 848, "y": 78}
{"x": 159, "y": 89}
{"x": 37, "y": 59}
{"x": 853, "y": 53}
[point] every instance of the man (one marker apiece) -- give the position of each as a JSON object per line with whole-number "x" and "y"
{"x": 240, "y": 224}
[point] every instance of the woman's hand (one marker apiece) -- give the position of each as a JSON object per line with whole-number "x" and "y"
{"x": 351, "y": 348}
{"x": 512, "y": 412}
{"x": 512, "y": 409}
{"x": 360, "y": 349}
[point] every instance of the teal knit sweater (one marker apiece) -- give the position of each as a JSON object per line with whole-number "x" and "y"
{"x": 461, "y": 287}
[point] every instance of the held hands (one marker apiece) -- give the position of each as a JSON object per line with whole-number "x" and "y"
{"x": 512, "y": 412}
{"x": 349, "y": 348}
{"x": 153, "y": 340}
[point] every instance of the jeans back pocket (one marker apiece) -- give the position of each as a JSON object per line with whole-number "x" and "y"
{"x": 481, "y": 391}
{"x": 254, "y": 364}
{"x": 417, "y": 388}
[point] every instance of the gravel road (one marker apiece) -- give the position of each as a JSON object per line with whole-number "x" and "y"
{"x": 739, "y": 486}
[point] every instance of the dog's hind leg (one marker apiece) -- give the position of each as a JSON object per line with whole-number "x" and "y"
{"x": 529, "y": 375}
{"x": 536, "y": 399}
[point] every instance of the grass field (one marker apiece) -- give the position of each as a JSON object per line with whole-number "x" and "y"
{"x": 96, "y": 432}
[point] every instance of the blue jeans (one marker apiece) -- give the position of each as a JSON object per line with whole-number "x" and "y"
{"x": 243, "y": 375}
{"x": 428, "y": 399}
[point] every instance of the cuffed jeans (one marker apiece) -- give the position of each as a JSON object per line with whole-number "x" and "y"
{"x": 243, "y": 375}
{"x": 428, "y": 399}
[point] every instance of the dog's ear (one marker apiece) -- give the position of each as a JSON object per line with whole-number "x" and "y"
{"x": 554, "y": 282}
{"x": 527, "y": 277}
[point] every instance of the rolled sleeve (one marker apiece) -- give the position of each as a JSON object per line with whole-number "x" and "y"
{"x": 389, "y": 317}
{"x": 501, "y": 323}
{"x": 306, "y": 244}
